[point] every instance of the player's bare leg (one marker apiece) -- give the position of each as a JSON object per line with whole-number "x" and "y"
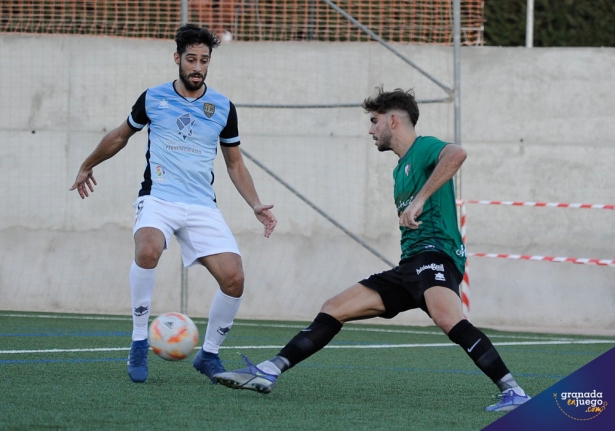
{"x": 355, "y": 303}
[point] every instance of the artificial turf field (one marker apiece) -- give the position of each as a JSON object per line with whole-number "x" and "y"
{"x": 60, "y": 372}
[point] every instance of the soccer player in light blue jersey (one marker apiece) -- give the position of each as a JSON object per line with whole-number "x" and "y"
{"x": 186, "y": 120}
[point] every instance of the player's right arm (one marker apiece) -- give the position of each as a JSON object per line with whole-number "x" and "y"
{"x": 108, "y": 147}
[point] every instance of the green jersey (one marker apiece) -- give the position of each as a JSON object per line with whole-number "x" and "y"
{"x": 439, "y": 230}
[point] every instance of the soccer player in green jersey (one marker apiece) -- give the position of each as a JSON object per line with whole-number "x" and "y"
{"x": 432, "y": 258}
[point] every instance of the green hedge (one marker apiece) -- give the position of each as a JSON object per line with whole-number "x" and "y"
{"x": 556, "y": 22}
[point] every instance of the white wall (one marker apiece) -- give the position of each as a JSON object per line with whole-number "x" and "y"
{"x": 537, "y": 125}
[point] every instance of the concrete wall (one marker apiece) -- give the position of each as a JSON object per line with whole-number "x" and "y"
{"x": 537, "y": 125}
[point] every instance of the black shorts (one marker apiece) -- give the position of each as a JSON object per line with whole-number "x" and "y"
{"x": 403, "y": 287}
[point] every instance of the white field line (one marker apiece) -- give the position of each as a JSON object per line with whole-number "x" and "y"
{"x": 276, "y": 325}
{"x": 51, "y": 316}
{"x": 370, "y": 346}
{"x": 403, "y": 331}
{"x": 100, "y": 349}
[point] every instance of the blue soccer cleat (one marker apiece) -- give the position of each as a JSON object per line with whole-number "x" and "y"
{"x": 251, "y": 378}
{"x": 508, "y": 401}
{"x": 137, "y": 361}
{"x": 209, "y": 364}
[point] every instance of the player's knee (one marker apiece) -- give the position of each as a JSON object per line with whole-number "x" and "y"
{"x": 329, "y": 306}
{"x": 445, "y": 321}
{"x": 147, "y": 258}
{"x": 232, "y": 285}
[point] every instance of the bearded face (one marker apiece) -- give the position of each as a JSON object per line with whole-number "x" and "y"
{"x": 193, "y": 65}
{"x": 193, "y": 81}
{"x": 381, "y": 132}
{"x": 383, "y": 141}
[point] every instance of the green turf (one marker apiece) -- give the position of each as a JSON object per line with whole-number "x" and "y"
{"x": 349, "y": 387}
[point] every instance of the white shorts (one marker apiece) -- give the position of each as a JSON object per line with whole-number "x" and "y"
{"x": 200, "y": 231}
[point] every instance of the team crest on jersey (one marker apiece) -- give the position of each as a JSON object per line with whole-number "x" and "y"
{"x": 209, "y": 109}
{"x": 407, "y": 169}
{"x": 184, "y": 124}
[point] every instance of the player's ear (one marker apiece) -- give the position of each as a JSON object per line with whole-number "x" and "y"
{"x": 398, "y": 119}
{"x": 176, "y": 57}
{"x": 393, "y": 120}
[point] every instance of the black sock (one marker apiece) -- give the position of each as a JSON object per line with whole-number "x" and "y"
{"x": 312, "y": 339}
{"x": 478, "y": 347}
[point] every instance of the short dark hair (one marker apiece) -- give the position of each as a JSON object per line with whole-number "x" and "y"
{"x": 387, "y": 101}
{"x": 191, "y": 34}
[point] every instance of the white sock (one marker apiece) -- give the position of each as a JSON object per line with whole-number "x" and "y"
{"x": 508, "y": 383}
{"x": 221, "y": 315}
{"x": 517, "y": 390}
{"x": 269, "y": 367}
{"x": 141, "y": 289}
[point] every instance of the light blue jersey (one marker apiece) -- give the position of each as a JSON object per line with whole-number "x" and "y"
{"x": 183, "y": 138}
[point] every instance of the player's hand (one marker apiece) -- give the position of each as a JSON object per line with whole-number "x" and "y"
{"x": 266, "y": 217}
{"x": 410, "y": 215}
{"x": 85, "y": 180}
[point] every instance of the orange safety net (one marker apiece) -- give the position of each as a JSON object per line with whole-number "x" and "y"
{"x": 405, "y": 21}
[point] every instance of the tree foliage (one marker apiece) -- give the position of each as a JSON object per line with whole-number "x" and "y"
{"x": 556, "y": 22}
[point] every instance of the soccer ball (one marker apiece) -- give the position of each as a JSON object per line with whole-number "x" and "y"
{"x": 173, "y": 336}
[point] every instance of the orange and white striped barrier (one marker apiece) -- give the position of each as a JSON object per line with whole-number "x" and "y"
{"x": 465, "y": 284}
{"x": 582, "y": 261}
{"x": 541, "y": 204}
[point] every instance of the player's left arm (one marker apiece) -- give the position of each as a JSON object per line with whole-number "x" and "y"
{"x": 450, "y": 160}
{"x": 241, "y": 178}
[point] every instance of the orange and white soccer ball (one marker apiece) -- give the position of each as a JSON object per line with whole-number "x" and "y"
{"x": 173, "y": 336}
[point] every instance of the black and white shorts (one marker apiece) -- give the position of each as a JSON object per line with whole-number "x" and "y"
{"x": 403, "y": 287}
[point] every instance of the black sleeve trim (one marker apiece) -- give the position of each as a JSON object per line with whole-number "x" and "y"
{"x": 139, "y": 113}
{"x": 231, "y": 129}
